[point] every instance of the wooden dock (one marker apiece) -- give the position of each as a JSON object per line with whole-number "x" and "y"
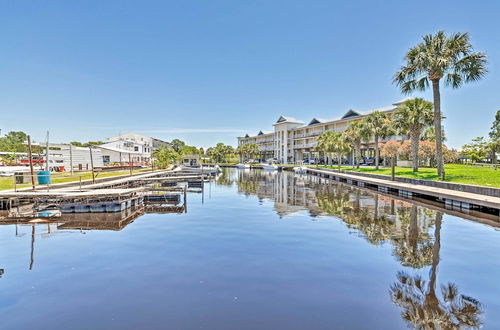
{"x": 108, "y": 196}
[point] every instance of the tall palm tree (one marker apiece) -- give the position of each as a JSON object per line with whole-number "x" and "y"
{"x": 357, "y": 133}
{"x": 437, "y": 57}
{"x": 412, "y": 117}
{"x": 379, "y": 126}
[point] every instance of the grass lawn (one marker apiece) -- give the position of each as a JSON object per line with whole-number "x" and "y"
{"x": 8, "y": 182}
{"x": 476, "y": 175}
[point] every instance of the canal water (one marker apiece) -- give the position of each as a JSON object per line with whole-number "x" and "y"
{"x": 256, "y": 250}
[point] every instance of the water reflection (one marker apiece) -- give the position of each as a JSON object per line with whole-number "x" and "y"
{"x": 379, "y": 219}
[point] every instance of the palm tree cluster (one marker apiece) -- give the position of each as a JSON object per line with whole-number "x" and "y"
{"x": 411, "y": 119}
{"x": 248, "y": 151}
{"x": 221, "y": 153}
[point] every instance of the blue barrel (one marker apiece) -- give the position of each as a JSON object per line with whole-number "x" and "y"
{"x": 44, "y": 177}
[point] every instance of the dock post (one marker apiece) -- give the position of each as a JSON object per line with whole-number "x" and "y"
{"x": 130, "y": 163}
{"x": 31, "y": 163}
{"x": 92, "y": 164}
{"x": 185, "y": 199}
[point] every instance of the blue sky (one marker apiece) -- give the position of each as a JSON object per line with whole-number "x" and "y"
{"x": 208, "y": 71}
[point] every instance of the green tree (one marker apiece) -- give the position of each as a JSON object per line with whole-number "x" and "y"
{"x": 334, "y": 142}
{"x": 166, "y": 156}
{"x": 14, "y": 142}
{"x": 357, "y": 133}
{"x": 379, "y": 126}
{"x": 189, "y": 150}
{"x": 440, "y": 57}
{"x": 477, "y": 150}
{"x": 221, "y": 153}
{"x": 247, "y": 151}
{"x": 177, "y": 144}
{"x": 494, "y": 144}
{"x": 412, "y": 117}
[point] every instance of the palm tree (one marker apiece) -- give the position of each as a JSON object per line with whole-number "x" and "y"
{"x": 379, "y": 126}
{"x": 357, "y": 133}
{"x": 412, "y": 117}
{"x": 334, "y": 142}
{"x": 324, "y": 143}
{"x": 340, "y": 145}
{"x": 439, "y": 57}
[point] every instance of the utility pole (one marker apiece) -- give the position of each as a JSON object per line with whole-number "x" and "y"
{"x": 47, "y": 153}
{"x": 30, "y": 156}
{"x": 71, "y": 158}
{"x": 92, "y": 164}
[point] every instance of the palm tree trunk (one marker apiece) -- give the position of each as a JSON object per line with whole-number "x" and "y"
{"x": 358, "y": 155}
{"x": 339, "y": 159}
{"x": 376, "y": 152}
{"x": 431, "y": 299}
{"x": 437, "y": 128}
{"x": 415, "y": 140}
{"x": 413, "y": 230}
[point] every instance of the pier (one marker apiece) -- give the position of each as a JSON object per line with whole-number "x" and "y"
{"x": 163, "y": 191}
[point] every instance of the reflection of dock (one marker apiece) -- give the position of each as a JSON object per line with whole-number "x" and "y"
{"x": 455, "y": 197}
{"x": 102, "y": 221}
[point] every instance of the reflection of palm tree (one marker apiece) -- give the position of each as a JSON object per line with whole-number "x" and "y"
{"x": 224, "y": 179}
{"x": 413, "y": 249}
{"x": 421, "y": 305}
{"x": 336, "y": 203}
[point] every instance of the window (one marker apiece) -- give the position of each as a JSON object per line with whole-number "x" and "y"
{"x": 136, "y": 148}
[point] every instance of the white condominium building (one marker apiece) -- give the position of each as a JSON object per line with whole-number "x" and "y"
{"x": 293, "y": 141}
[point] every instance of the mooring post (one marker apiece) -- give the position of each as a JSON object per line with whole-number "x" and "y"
{"x": 185, "y": 199}
{"x": 31, "y": 163}
{"x": 80, "y": 183}
{"x": 130, "y": 163}
{"x": 92, "y": 164}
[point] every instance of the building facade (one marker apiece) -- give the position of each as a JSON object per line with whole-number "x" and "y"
{"x": 149, "y": 144}
{"x": 124, "y": 152}
{"x": 294, "y": 141}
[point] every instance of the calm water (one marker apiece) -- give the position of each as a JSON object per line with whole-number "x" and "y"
{"x": 256, "y": 251}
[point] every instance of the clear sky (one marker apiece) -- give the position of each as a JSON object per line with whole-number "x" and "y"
{"x": 208, "y": 71}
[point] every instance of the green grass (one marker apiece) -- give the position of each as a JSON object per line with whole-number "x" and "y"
{"x": 475, "y": 175}
{"x": 8, "y": 182}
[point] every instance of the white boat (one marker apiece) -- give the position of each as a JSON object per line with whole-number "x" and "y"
{"x": 243, "y": 166}
{"x": 269, "y": 167}
{"x": 300, "y": 169}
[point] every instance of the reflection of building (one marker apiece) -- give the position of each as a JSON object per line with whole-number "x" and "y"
{"x": 293, "y": 140}
{"x": 293, "y": 193}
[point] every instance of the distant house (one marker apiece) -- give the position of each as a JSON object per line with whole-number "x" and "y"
{"x": 123, "y": 152}
{"x": 191, "y": 160}
{"x": 149, "y": 144}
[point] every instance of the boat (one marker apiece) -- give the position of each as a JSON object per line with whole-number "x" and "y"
{"x": 243, "y": 166}
{"x": 269, "y": 167}
{"x": 300, "y": 169}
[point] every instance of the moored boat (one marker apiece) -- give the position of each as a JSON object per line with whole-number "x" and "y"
{"x": 269, "y": 167}
{"x": 243, "y": 166}
{"x": 300, "y": 169}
